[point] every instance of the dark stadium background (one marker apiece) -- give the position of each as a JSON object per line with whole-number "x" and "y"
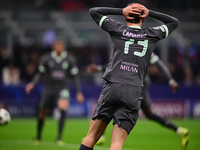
{"x": 28, "y": 28}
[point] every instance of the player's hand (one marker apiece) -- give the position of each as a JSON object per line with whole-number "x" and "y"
{"x": 80, "y": 98}
{"x": 92, "y": 68}
{"x": 174, "y": 86}
{"x": 144, "y": 10}
{"x": 29, "y": 87}
{"x": 132, "y": 9}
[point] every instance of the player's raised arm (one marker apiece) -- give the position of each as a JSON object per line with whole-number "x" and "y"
{"x": 171, "y": 23}
{"x": 99, "y": 13}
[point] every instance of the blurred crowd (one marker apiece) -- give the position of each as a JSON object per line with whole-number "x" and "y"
{"x": 75, "y": 5}
{"x": 70, "y": 5}
{"x": 18, "y": 67}
{"x": 22, "y": 64}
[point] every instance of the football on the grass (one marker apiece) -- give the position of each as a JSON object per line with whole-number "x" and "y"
{"x": 4, "y": 117}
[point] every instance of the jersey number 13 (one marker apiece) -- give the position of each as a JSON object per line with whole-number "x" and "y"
{"x": 140, "y": 54}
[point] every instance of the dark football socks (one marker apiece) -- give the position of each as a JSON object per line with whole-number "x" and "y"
{"x": 163, "y": 121}
{"x": 61, "y": 123}
{"x": 39, "y": 128}
{"x": 83, "y": 147}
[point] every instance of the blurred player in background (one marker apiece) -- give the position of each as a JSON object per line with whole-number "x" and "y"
{"x": 58, "y": 67}
{"x": 146, "y": 102}
{"x": 132, "y": 46}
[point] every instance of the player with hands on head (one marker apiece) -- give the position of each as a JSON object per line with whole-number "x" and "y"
{"x": 134, "y": 11}
{"x": 146, "y": 102}
{"x": 131, "y": 50}
{"x": 58, "y": 67}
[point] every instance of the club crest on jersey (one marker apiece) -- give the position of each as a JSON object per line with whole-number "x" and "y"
{"x": 106, "y": 20}
{"x": 159, "y": 28}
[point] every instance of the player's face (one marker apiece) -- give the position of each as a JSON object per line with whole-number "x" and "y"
{"x": 58, "y": 46}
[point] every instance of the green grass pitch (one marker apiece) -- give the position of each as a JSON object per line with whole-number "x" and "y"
{"x": 146, "y": 135}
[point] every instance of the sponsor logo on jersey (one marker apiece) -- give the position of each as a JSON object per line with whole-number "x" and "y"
{"x": 130, "y": 34}
{"x": 131, "y": 67}
{"x": 159, "y": 28}
{"x": 57, "y": 74}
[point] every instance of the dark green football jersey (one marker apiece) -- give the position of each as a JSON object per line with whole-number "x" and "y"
{"x": 131, "y": 49}
{"x": 57, "y": 70}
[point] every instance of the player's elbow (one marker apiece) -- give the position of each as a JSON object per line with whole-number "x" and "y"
{"x": 92, "y": 11}
{"x": 176, "y": 22}
{"x": 173, "y": 25}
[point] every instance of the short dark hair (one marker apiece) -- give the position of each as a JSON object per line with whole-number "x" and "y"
{"x": 136, "y": 19}
{"x": 130, "y": 4}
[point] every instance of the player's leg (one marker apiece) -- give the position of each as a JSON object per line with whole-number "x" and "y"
{"x": 146, "y": 108}
{"x": 103, "y": 113}
{"x": 44, "y": 106}
{"x": 125, "y": 117}
{"x": 96, "y": 129}
{"x": 63, "y": 105}
{"x": 40, "y": 122}
{"x": 118, "y": 138}
{"x": 152, "y": 116}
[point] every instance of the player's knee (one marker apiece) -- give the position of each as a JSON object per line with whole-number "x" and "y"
{"x": 147, "y": 111}
{"x": 63, "y": 104}
{"x": 42, "y": 115}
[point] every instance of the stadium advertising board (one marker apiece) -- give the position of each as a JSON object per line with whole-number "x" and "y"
{"x": 170, "y": 109}
{"x": 19, "y": 104}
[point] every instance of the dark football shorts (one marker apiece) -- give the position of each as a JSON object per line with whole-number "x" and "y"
{"x": 146, "y": 102}
{"x": 119, "y": 102}
{"x": 49, "y": 98}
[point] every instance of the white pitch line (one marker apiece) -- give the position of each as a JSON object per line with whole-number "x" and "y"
{"x": 50, "y": 144}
